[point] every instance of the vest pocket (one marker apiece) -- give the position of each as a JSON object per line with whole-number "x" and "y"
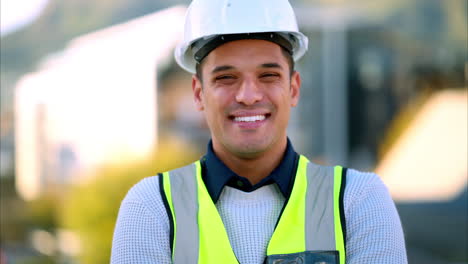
{"x": 306, "y": 257}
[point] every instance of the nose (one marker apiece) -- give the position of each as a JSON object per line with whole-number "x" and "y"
{"x": 249, "y": 93}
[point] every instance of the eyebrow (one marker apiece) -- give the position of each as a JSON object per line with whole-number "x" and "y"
{"x": 229, "y": 67}
{"x": 271, "y": 65}
{"x": 222, "y": 68}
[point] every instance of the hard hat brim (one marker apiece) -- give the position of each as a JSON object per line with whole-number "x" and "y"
{"x": 185, "y": 55}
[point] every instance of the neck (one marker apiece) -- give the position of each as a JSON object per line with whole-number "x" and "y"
{"x": 253, "y": 168}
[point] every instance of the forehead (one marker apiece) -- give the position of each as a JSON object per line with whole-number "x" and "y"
{"x": 246, "y": 53}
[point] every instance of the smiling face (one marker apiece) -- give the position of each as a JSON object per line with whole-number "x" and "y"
{"x": 247, "y": 93}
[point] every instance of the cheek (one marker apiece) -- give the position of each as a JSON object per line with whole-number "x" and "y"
{"x": 220, "y": 97}
{"x": 214, "y": 104}
{"x": 281, "y": 97}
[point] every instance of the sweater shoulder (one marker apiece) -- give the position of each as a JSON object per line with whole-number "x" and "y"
{"x": 361, "y": 185}
{"x": 145, "y": 192}
{"x": 373, "y": 227}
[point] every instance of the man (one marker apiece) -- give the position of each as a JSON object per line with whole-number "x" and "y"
{"x": 252, "y": 198}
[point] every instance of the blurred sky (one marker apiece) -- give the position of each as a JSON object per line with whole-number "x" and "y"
{"x": 16, "y": 14}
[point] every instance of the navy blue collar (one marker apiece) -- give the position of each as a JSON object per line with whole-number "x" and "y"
{"x": 216, "y": 174}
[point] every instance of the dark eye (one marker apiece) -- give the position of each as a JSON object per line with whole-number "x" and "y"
{"x": 270, "y": 76}
{"x": 225, "y": 79}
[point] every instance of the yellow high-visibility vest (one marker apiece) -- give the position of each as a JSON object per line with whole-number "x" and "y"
{"x": 310, "y": 229}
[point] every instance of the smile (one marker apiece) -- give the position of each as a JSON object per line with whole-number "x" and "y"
{"x": 249, "y": 118}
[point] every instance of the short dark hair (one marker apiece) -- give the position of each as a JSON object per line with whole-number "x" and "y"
{"x": 287, "y": 55}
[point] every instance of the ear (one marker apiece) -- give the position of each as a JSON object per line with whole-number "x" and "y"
{"x": 197, "y": 93}
{"x": 295, "y": 88}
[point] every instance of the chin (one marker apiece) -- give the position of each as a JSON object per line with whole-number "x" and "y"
{"x": 249, "y": 150}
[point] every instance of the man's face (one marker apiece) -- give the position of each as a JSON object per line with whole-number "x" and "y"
{"x": 247, "y": 93}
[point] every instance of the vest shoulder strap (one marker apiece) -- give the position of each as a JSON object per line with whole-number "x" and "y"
{"x": 180, "y": 194}
{"x": 325, "y": 210}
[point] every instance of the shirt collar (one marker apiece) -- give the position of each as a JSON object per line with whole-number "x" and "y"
{"x": 216, "y": 174}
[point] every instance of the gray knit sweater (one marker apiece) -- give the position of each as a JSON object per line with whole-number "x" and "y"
{"x": 374, "y": 232}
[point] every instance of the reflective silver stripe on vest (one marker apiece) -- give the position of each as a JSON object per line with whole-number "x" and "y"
{"x": 320, "y": 224}
{"x": 185, "y": 202}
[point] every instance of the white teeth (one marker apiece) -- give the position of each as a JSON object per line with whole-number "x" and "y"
{"x": 249, "y": 118}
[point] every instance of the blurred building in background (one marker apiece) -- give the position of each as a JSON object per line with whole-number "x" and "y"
{"x": 365, "y": 65}
{"x": 93, "y": 103}
{"x": 429, "y": 161}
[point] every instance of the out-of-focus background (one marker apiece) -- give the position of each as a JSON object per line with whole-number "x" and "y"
{"x": 92, "y": 101}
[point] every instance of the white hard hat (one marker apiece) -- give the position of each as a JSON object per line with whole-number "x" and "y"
{"x": 207, "y": 19}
